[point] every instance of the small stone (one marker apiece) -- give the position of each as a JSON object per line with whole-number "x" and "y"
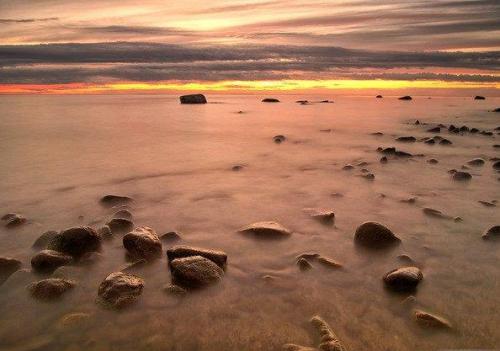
{"x": 308, "y": 255}
{"x": 13, "y": 220}
{"x": 406, "y": 259}
{"x": 496, "y": 165}
{"x": 278, "y": 139}
{"x": 76, "y": 241}
{"x": 433, "y": 161}
{"x": 479, "y": 97}
{"x": 435, "y": 213}
{"x": 379, "y": 96}
{"x": 403, "y": 279}
{"x": 328, "y": 262}
{"x": 119, "y": 290}
{"x": 267, "y": 230}
{"x": 410, "y": 200}
{"x": 303, "y": 264}
{"x": 193, "y": 99}
{"x": 171, "y": 236}
{"x": 237, "y": 168}
{"x": 445, "y": 142}
{"x": 348, "y": 167}
{"x": 487, "y": 203}
{"x": 50, "y": 288}
{"x": 406, "y": 97}
{"x": 430, "y": 141}
{"x": 429, "y": 320}
{"x": 323, "y": 216}
{"x": 47, "y": 261}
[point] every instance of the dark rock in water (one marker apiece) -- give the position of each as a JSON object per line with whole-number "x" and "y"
{"x": 479, "y": 97}
{"x": 406, "y": 139}
{"x": 451, "y": 128}
{"x": 267, "y": 230}
{"x": 171, "y": 236}
{"x": 496, "y": 146}
{"x": 193, "y": 99}
{"x": 369, "y": 176}
{"x": 483, "y": 132}
{"x": 474, "y": 130}
{"x": 434, "y": 130}
{"x": 464, "y": 129}
{"x": 218, "y": 257}
{"x": 406, "y": 97}
{"x": 462, "y": 176}
{"x": 105, "y": 232}
{"x": 379, "y": 96}
{"x": 476, "y": 162}
{"x": 113, "y": 200}
{"x": 487, "y": 203}
{"x": 426, "y": 319}
{"x": 389, "y": 151}
{"x": 120, "y": 225}
{"x": 7, "y": 267}
{"x": 302, "y": 102}
{"x": 47, "y": 261}
{"x": 496, "y": 110}
{"x": 323, "y": 216}
{"x": 496, "y": 165}
{"x": 383, "y": 159}
{"x": 326, "y": 102}
{"x": 400, "y": 153}
{"x": 278, "y": 139}
{"x": 13, "y": 220}
{"x": 44, "y": 239}
{"x": 452, "y": 171}
{"x": 237, "y": 168}
{"x": 377, "y": 133}
{"x": 430, "y": 141}
{"x": 76, "y": 241}
{"x": 492, "y": 233}
{"x": 433, "y": 161}
{"x": 270, "y": 100}
{"x": 50, "y": 289}
{"x": 348, "y": 167}
{"x": 375, "y": 235}
{"x": 417, "y": 122}
{"x": 142, "y": 242}
{"x": 303, "y": 264}
{"x": 195, "y": 272}
{"x": 435, "y": 213}
{"x": 403, "y": 279}
{"x": 445, "y": 142}
{"x": 125, "y": 214}
{"x": 119, "y": 290}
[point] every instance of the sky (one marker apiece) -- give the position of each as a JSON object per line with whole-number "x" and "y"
{"x": 247, "y": 45}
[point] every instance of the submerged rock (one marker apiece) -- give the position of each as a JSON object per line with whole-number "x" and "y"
{"x": 278, "y": 139}
{"x": 435, "y": 213}
{"x": 476, "y": 162}
{"x": 120, "y": 225}
{"x": 445, "y": 142}
{"x": 50, "y": 288}
{"x": 492, "y": 233}
{"x": 406, "y": 97}
{"x": 13, "y": 220}
{"x": 171, "y": 236}
{"x": 44, "y": 239}
{"x": 125, "y": 214}
{"x": 47, "y": 261}
{"x": 403, "y": 279}
{"x": 323, "y": 216}
{"x": 8, "y": 266}
{"x": 113, "y": 200}
{"x": 434, "y": 130}
{"x": 479, "y": 97}
{"x": 375, "y": 235}
{"x": 379, "y": 96}
{"x": 328, "y": 262}
{"x": 406, "y": 139}
{"x": 181, "y": 251}
{"x": 76, "y": 241}
{"x": 267, "y": 230}
{"x": 105, "y": 232}
{"x": 433, "y": 161}
{"x": 270, "y": 100}
{"x": 119, "y": 290}
{"x": 496, "y": 165}
{"x": 195, "y": 272}
{"x": 461, "y": 176}
{"x": 142, "y": 242}
{"x": 193, "y": 99}
{"x": 427, "y": 319}
{"x": 303, "y": 264}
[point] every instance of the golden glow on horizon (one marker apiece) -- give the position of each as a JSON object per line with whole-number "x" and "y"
{"x": 240, "y": 86}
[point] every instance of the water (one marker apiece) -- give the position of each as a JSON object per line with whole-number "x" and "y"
{"x": 60, "y": 154}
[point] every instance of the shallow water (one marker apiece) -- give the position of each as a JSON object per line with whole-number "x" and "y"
{"x": 61, "y": 154}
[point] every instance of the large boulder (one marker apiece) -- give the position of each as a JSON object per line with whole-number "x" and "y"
{"x": 403, "y": 279}
{"x": 76, "y": 241}
{"x": 51, "y": 288}
{"x": 375, "y": 235}
{"x": 47, "y": 261}
{"x": 181, "y": 251}
{"x": 266, "y": 230}
{"x": 195, "y": 272}
{"x": 119, "y": 290}
{"x": 193, "y": 99}
{"x": 142, "y": 242}
{"x": 7, "y": 267}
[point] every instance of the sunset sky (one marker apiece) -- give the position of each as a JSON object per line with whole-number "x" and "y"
{"x": 247, "y": 45}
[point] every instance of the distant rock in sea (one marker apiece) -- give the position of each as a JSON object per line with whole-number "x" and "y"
{"x": 379, "y": 96}
{"x": 497, "y": 109}
{"x": 406, "y": 97}
{"x": 270, "y": 100}
{"x": 479, "y": 97}
{"x": 193, "y": 99}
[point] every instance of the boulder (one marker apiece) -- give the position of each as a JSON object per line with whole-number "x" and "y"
{"x": 120, "y": 225}
{"x": 193, "y": 99}
{"x": 142, "y": 242}
{"x": 379, "y": 96}
{"x": 181, "y": 251}
{"x": 47, "y": 261}
{"x": 427, "y": 319}
{"x": 406, "y": 97}
{"x": 50, "y": 288}
{"x": 461, "y": 176}
{"x": 8, "y": 266}
{"x": 171, "y": 236}
{"x": 195, "y": 272}
{"x": 496, "y": 165}
{"x": 403, "y": 279}
{"x": 479, "y": 97}
{"x": 406, "y": 139}
{"x": 13, "y": 220}
{"x": 492, "y": 233}
{"x": 375, "y": 235}
{"x": 44, "y": 239}
{"x": 114, "y": 200}
{"x": 76, "y": 241}
{"x": 476, "y": 162}
{"x": 266, "y": 230}
{"x": 119, "y": 290}
{"x": 270, "y": 100}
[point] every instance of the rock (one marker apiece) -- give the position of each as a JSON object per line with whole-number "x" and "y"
{"x": 445, "y": 142}
{"x": 403, "y": 279}
{"x": 113, "y": 200}
{"x": 457, "y": 219}
{"x": 44, "y": 239}
{"x": 302, "y": 102}
{"x": 429, "y": 320}
{"x": 323, "y": 216}
{"x": 270, "y": 100}
{"x": 379, "y": 96}
{"x": 76, "y": 241}
{"x": 119, "y": 290}
{"x": 406, "y": 259}
{"x": 369, "y": 176}
{"x": 375, "y": 235}
{"x": 237, "y": 168}
{"x": 303, "y": 264}
{"x": 464, "y": 129}
{"x": 383, "y": 159}
{"x": 433, "y": 161}
{"x": 13, "y": 220}
{"x": 329, "y": 130}
{"x": 181, "y": 251}
{"x": 496, "y": 165}
{"x": 417, "y": 122}
{"x": 430, "y": 141}
{"x": 195, "y": 272}
{"x": 142, "y": 242}
{"x": 435, "y": 213}
{"x": 492, "y": 233}
{"x": 174, "y": 290}
{"x": 136, "y": 265}
{"x": 388, "y": 151}
{"x": 496, "y": 146}
{"x": 171, "y": 237}
{"x": 487, "y": 203}
{"x": 406, "y": 97}
{"x": 348, "y": 167}
{"x": 8, "y": 266}
{"x": 328, "y": 262}
{"x": 105, "y": 232}
{"x": 406, "y": 139}
{"x": 266, "y": 230}
{"x": 278, "y": 139}
{"x": 120, "y": 225}
{"x": 47, "y": 261}
{"x": 474, "y": 130}
{"x": 326, "y": 102}
{"x": 124, "y": 214}
{"x": 497, "y": 109}
{"x": 73, "y": 320}
{"x": 410, "y": 200}
{"x": 308, "y": 255}
{"x": 479, "y": 97}
{"x": 434, "y": 130}
{"x": 193, "y": 99}
{"x": 462, "y": 176}
{"x": 50, "y": 288}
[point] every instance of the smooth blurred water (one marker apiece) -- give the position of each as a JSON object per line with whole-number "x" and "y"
{"x": 60, "y": 154}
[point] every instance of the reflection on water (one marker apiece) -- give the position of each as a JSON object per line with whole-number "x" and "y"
{"x": 61, "y": 154}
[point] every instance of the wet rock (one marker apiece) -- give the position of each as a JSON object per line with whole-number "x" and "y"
{"x": 270, "y": 100}
{"x": 492, "y": 233}
{"x": 410, "y": 200}
{"x": 388, "y": 151}
{"x": 479, "y": 97}
{"x": 328, "y": 262}
{"x": 308, "y": 255}
{"x": 171, "y": 237}
{"x": 278, "y": 139}
{"x": 496, "y": 146}
{"x": 44, "y": 239}
{"x": 120, "y": 225}
{"x": 403, "y": 279}
{"x": 400, "y": 153}
{"x": 348, "y": 167}
{"x": 474, "y": 130}
{"x": 237, "y": 168}
{"x": 458, "y": 219}
{"x": 323, "y": 216}
{"x": 173, "y": 289}
{"x": 303, "y": 264}
{"x": 496, "y": 165}
{"x": 430, "y": 141}
{"x": 383, "y": 159}
{"x": 50, "y": 288}
{"x": 181, "y": 251}
{"x": 487, "y": 203}
{"x": 462, "y": 176}
{"x": 483, "y": 132}
{"x": 13, "y": 220}
{"x": 76, "y": 241}
{"x": 47, "y": 261}
{"x": 427, "y": 319}
{"x": 406, "y": 97}
{"x": 369, "y": 176}
{"x": 113, "y": 200}
{"x": 464, "y": 129}
{"x": 267, "y": 230}
{"x": 406, "y": 259}
{"x": 119, "y": 290}
{"x": 124, "y": 214}
{"x": 497, "y": 109}
{"x": 142, "y": 242}
{"x": 434, "y": 130}
{"x": 435, "y": 213}
{"x": 406, "y": 139}
{"x": 105, "y": 232}
{"x": 379, "y": 96}
{"x": 375, "y": 235}
{"x": 417, "y": 122}
{"x": 76, "y": 319}
{"x": 476, "y": 162}
{"x": 195, "y": 272}
{"x": 8, "y": 266}
{"x": 326, "y": 102}
{"x": 433, "y": 161}
{"x": 193, "y": 99}
{"x": 445, "y": 142}
{"x": 377, "y": 133}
